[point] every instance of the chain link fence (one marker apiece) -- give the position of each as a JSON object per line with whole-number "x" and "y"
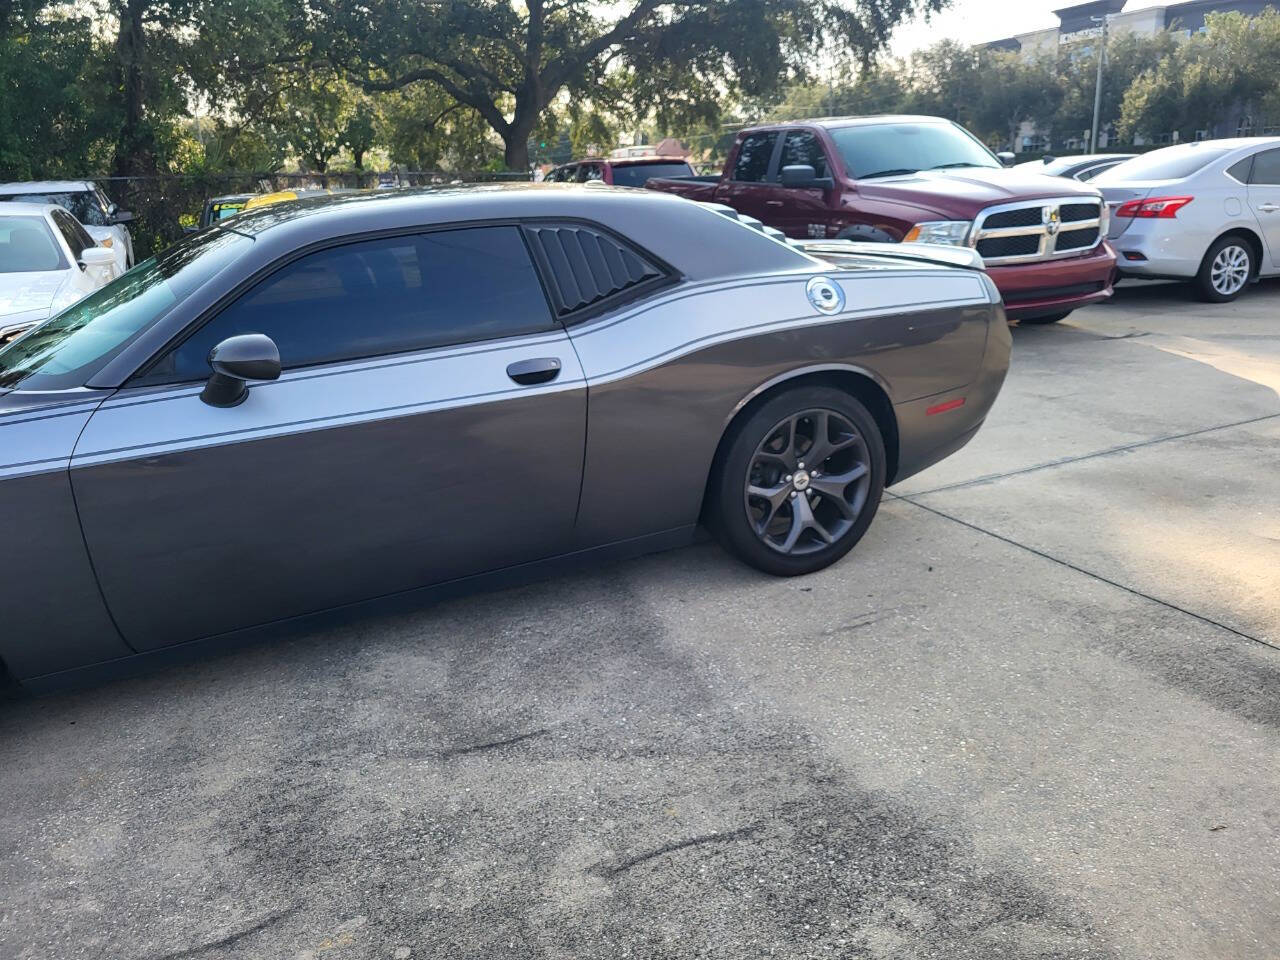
{"x": 163, "y": 205}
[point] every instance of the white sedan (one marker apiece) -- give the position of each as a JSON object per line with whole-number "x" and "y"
{"x": 47, "y": 262}
{"x": 84, "y": 200}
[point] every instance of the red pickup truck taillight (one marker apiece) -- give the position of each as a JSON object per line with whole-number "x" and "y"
{"x": 1153, "y": 208}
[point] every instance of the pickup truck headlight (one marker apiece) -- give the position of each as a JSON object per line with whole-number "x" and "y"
{"x": 950, "y": 232}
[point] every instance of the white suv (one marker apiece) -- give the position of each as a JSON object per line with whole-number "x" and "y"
{"x": 87, "y": 203}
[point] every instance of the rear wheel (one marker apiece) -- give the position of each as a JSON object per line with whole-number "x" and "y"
{"x": 1048, "y": 318}
{"x": 1226, "y": 270}
{"x": 799, "y": 482}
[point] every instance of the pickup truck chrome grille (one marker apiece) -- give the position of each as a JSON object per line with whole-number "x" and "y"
{"x": 1030, "y": 231}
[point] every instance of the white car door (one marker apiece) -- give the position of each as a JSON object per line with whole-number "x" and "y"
{"x": 1264, "y": 199}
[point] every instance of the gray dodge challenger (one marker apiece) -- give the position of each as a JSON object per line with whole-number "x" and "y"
{"x": 355, "y": 398}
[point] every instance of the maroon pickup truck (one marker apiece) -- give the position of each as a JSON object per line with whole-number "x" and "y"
{"x": 927, "y": 180}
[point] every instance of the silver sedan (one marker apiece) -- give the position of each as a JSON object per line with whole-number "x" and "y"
{"x": 1208, "y": 212}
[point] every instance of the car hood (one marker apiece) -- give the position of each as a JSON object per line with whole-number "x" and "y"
{"x": 28, "y": 292}
{"x": 960, "y": 194}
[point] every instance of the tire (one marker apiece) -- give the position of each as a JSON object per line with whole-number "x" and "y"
{"x": 1050, "y": 318}
{"x": 1228, "y": 267}
{"x": 828, "y": 513}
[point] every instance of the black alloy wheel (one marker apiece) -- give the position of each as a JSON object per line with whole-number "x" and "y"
{"x": 801, "y": 481}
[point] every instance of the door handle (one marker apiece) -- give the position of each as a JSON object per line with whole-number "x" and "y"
{"x": 773, "y": 203}
{"x": 1268, "y": 207}
{"x": 538, "y": 370}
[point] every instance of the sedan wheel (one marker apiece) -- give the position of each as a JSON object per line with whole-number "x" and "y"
{"x": 801, "y": 481}
{"x": 1226, "y": 270}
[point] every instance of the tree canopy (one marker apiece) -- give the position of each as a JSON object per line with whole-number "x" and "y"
{"x": 511, "y": 62}
{"x": 139, "y": 87}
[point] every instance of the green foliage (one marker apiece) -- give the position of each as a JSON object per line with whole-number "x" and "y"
{"x": 53, "y": 119}
{"x": 510, "y": 62}
{"x": 1229, "y": 68}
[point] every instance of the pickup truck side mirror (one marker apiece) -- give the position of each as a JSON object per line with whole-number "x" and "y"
{"x": 122, "y": 216}
{"x": 237, "y": 362}
{"x": 1006, "y": 158}
{"x": 801, "y": 175}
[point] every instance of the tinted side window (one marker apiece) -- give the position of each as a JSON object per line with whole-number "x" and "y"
{"x": 752, "y": 165}
{"x": 803, "y": 147}
{"x": 380, "y": 297}
{"x": 63, "y": 223}
{"x": 1240, "y": 169}
{"x": 590, "y": 171}
{"x": 77, "y": 237}
{"x": 1266, "y": 167}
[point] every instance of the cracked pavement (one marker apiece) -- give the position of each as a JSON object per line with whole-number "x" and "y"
{"x": 1035, "y": 714}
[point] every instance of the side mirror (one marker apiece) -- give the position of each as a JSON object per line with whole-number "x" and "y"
{"x": 121, "y": 216}
{"x": 237, "y": 362}
{"x": 800, "y": 175}
{"x": 1006, "y": 158}
{"x": 96, "y": 257}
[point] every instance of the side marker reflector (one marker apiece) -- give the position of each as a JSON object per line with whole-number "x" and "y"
{"x": 944, "y": 406}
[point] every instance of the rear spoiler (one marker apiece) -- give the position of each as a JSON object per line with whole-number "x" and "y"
{"x": 934, "y": 253}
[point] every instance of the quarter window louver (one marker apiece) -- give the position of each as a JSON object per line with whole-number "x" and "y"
{"x": 587, "y": 267}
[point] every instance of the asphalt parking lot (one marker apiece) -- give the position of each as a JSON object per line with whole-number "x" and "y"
{"x": 1036, "y": 713}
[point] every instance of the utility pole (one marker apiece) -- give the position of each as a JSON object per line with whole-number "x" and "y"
{"x": 1097, "y": 87}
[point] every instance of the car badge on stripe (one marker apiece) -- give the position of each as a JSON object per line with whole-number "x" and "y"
{"x": 825, "y": 295}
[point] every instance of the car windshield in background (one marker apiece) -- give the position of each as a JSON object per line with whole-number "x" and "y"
{"x": 27, "y": 246}
{"x": 887, "y": 149}
{"x": 60, "y": 353}
{"x": 637, "y": 174}
{"x": 1174, "y": 163}
{"x": 82, "y": 204}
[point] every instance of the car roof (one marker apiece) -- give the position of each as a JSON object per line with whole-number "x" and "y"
{"x": 47, "y": 186}
{"x": 1091, "y": 157}
{"x": 28, "y": 209}
{"x": 834, "y": 122}
{"x": 671, "y": 228}
{"x": 641, "y": 161}
{"x": 624, "y": 161}
{"x": 1228, "y": 143}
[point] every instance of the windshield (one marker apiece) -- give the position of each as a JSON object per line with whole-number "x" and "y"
{"x": 889, "y": 149}
{"x": 637, "y": 174}
{"x": 1171, "y": 163}
{"x": 27, "y": 246}
{"x": 63, "y": 351}
{"x": 223, "y": 210}
{"x": 82, "y": 204}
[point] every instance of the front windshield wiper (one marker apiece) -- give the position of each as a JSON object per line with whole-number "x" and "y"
{"x": 886, "y": 173}
{"x": 952, "y": 166}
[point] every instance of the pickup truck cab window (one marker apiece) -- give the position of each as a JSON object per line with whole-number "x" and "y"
{"x": 754, "y": 154}
{"x": 803, "y": 147}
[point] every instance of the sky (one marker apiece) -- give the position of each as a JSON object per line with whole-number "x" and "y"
{"x": 977, "y": 21}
